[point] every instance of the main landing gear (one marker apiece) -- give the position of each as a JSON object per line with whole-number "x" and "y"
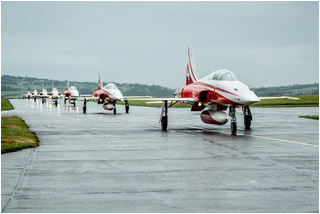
{"x": 71, "y": 101}
{"x": 164, "y": 118}
{"x": 84, "y": 108}
{"x": 126, "y": 103}
{"x": 114, "y": 108}
{"x": 232, "y": 114}
{"x": 106, "y": 106}
{"x": 247, "y": 117}
{"x": 164, "y": 114}
{"x": 55, "y": 100}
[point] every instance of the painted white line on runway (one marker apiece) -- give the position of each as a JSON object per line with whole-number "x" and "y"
{"x": 255, "y": 136}
{"x": 276, "y": 139}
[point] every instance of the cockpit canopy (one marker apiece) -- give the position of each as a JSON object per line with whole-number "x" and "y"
{"x": 111, "y": 86}
{"x": 73, "y": 88}
{"x": 224, "y": 75}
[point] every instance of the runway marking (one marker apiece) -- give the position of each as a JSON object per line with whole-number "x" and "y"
{"x": 276, "y": 139}
{"x": 255, "y": 136}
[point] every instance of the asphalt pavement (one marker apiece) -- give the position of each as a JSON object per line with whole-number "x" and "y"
{"x": 100, "y": 162}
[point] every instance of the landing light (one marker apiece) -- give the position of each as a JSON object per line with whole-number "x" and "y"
{"x": 199, "y": 104}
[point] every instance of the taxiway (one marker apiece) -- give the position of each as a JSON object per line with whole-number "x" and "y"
{"x": 100, "y": 162}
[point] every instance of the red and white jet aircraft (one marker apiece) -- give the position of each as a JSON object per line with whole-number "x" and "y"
{"x": 71, "y": 94}
{"x": 219, "y": 90}
{"x": 54, "y": 95}
{"x": 43, "y": 94}
{"x": 108, "y": 96}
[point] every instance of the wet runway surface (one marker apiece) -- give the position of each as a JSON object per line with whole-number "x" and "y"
{"x": 100, "y": 162}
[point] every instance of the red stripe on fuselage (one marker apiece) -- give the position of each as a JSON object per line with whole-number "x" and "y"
{"x": 213, "y": 87}
{"x": 217, "y": 98}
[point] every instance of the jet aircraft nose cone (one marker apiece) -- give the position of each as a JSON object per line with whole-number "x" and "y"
{"x": 249, "y": 99}
{"x": 118, "y": 96}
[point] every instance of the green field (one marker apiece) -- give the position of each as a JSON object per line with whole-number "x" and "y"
{"x": 305, "y": 101}
{"x": 5, "y": 105}
{"x": 15, "y": 135}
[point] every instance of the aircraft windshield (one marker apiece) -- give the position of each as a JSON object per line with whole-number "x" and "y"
{"x": 224, "y": 75}
{"x": 111, "y": 86}
{"x": 73, "y": 88}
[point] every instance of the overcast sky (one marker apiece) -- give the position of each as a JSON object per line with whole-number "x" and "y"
{"x": 263, "y": 43}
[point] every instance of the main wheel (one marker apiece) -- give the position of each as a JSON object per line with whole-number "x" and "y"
{"x": 233, "y": 128}
{"x": 114, "y": 111}
{"x": 127, "y": 109}
{"x": 65, "y": 101}
{"x": 247, "y": 121}
{"x": 164, "y": 123}
{"x": 84, "y": 109}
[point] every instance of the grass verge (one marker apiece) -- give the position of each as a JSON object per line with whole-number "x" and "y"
{"x": 6, "y": 105}
{"x": 15, "y": 135}
{"x": 314, "y": 117}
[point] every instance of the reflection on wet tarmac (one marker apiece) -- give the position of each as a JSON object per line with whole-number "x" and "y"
{"x": 125, "y": 163}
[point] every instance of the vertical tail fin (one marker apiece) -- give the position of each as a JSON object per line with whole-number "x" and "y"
{"x": 67, "y": 84}
{"x": 100, "y": 81}
{"x": 191, "y": 74}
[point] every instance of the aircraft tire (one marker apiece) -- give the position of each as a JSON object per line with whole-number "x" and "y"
{"x": 164, "y": 123}
{"x": 247, "y": 121}
{"x": 233, "y": 128}
{"x": 56, "y": 103}
{"x": 127, "y": 109}
{"x": 84, "y": 109}
{"x": 114, "y": 111}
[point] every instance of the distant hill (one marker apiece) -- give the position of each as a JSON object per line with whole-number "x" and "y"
{"x": 15, "y": 86}
{"x": 306, "y": 89}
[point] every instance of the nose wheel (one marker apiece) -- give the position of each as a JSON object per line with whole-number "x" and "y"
{"x": 232, "y": 114}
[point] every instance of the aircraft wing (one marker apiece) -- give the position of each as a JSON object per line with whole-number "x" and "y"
{"x": 135, "y": 97}
{"x": 282, "y": 97}
{"x": 81, "y": 98}
{"x": 85, "y": 95}
{"x": 165, "y": 99}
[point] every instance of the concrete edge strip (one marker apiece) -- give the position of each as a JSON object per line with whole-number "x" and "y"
{"x": 20, "y": 180}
